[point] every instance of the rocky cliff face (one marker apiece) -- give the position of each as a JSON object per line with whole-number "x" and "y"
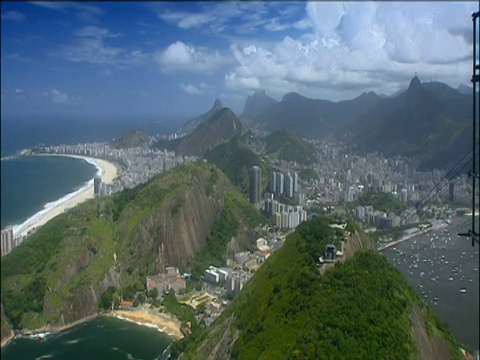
{"x": 84, "y": 299}
{"x": 176, "y": 236}
{"x": 6, "y": 330}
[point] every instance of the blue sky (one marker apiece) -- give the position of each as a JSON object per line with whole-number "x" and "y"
{"x": 161, "y": 58}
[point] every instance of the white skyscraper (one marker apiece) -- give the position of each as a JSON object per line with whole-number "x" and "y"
{"x": 280, "y": 183}
{"x": 289, "y": 185}
{"x": 295, "y": 182}
{"x": 7, "y": 241}
{"x": 273, "y": 182}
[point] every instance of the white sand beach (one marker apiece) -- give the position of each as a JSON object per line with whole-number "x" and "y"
{"x": 106, "y": 170}
{"x": 142, "y": 316}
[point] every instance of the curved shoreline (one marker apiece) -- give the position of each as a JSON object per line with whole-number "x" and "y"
{"x": 140, "y": 316}
{"x": 106, "y": 170}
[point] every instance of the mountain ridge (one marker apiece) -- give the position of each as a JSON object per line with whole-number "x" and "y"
{"x": 191, "y": 124}
{"x": 220, "y": 127}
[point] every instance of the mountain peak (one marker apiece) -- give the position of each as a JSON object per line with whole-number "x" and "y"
{"x": 220, "y": 127}
{"x": 193, "y": 123}
{"x": 256, "y": 104}
{"x": 217, "y": 105}
{"x": 415, "y": 83}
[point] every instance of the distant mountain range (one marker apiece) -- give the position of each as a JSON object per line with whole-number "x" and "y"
{"x": 428, "y": 121}
{"x": 313, "y": 118}
{"x": 421, "y": 122}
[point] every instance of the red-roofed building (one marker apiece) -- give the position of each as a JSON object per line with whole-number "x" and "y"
{"x": 128, "y": 305}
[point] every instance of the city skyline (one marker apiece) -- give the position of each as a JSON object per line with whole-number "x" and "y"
{"x": 177, "y": 58}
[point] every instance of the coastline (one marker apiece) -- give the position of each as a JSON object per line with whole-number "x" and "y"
{"x": 142, "y": 316}
{"x": 6, "y": 341}
{"x": 106, "y": 170}
{"x": 47, "y": 328}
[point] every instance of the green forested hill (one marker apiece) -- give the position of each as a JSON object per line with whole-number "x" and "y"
{"x": 361, "y": 309}
{"x": 286, "y": 145}
{"x": 235, "y": 159}
{"x": 59, "y": 274}
{"x": 134, "y": 138}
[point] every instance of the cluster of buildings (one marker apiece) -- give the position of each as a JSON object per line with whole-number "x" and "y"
{"x": 286, "y": 216}
{"x": 284, "y": 184}
{"x": 233, "y": 280}
{"x": 169, "y": 280}
{"x": 100, "y": 188}
{"x": 380, "y": 219}
{"x": 138, "y": 164}
{"x": 342, "y": 178}
{"x": 239, "y": 271}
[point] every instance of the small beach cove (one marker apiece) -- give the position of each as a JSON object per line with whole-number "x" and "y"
{"x": 133, "y": 334}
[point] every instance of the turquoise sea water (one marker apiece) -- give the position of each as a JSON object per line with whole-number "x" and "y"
{"x": 29, "y": 183}
{"x": 103, "y": 338}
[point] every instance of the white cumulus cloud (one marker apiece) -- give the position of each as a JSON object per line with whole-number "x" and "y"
{"x": 190, "y": 89}
{"x": 360, "y": 46}
{"x": 59, "y": 97}
{"x": 180, "y": 56}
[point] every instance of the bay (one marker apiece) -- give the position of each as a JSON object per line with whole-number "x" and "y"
{"x": 438, "y": 265}
{"x": 101, "y": 338}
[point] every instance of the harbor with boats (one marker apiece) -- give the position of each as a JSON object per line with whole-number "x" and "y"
{"x": 443, "y": 269}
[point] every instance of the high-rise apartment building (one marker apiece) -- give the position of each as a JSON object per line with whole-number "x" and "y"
{"x": 255, "y": 184}
{"x": 295, "y": 182}
{"x": 97, "y": 186}
{"x": 280, "y": 183}
{"x": 289, "y": 185}
{"x": 273, "y": 182}
{"x": 7, "y": 241}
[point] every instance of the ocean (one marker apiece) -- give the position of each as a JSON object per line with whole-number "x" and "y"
{"x": 102, "y": 338}
{"x": 30, "y": 184}
{"x": 438, "y": 265}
